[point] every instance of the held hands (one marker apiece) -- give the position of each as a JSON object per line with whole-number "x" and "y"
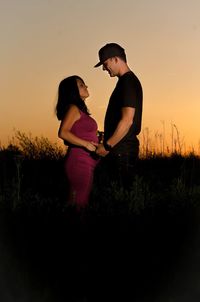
{"x": 100, "y": 150}
{"x": 97, "y": 148}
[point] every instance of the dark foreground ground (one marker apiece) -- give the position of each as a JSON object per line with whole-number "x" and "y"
{"x": 64, "y": 257}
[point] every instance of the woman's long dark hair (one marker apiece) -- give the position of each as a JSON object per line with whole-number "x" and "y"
{"x": 68, "y": 94}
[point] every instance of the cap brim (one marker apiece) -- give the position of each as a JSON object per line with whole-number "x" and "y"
{"x": 98, "y": 64}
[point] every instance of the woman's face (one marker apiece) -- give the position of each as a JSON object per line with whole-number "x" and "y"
{"x": 83, "y": 91}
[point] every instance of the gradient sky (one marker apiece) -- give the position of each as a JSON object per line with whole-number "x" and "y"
{"x": 43, "y": 41}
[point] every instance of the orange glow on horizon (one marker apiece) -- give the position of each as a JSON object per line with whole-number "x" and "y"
{"x": 162, "y": 44}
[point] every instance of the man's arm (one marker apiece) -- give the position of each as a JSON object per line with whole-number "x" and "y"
{"x": 120, "y": 131}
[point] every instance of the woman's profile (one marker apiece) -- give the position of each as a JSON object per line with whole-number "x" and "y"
{"x": 78, "y": 130}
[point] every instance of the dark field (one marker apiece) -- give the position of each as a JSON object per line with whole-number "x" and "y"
{"x": 141, "y": 245}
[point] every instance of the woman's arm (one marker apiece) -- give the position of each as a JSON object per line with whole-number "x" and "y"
{"x": 65, "y": 133}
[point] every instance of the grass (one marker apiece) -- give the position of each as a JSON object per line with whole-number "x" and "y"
{"x": 142, "y": 242}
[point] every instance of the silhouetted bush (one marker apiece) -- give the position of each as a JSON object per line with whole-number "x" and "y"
{"x": 31, "y": 174}
{"x": 126, "y": 240}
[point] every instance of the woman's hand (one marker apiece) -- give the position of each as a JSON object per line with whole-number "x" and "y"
{"x": 91, "y": 146}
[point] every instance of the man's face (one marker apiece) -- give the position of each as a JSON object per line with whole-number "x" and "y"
{"x": 110, "y": 66}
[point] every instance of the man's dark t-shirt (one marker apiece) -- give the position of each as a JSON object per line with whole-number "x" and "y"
{"x": 127, "y": 93}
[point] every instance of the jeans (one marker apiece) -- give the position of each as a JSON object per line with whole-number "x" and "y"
{"x": 121, "y": 167}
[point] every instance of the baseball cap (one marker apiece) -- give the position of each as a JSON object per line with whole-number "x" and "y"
{"x": 108, "y": 51}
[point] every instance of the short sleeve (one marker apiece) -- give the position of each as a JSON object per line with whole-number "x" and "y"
{"x": 129, "y": 93}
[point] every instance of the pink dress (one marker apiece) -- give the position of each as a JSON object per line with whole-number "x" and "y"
{"x": 79, "y": 163}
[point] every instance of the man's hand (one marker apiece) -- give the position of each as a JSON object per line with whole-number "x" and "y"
{"x": 101, "y": 150}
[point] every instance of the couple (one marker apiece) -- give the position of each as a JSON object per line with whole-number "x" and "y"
{"x": 120, "y": 147}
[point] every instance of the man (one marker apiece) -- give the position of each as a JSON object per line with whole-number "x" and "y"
{"x": 122, "y": 124}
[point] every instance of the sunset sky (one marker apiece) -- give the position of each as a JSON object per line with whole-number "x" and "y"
{"x": 44, "y": 41}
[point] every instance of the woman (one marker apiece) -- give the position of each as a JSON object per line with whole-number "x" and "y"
{"x": 79, "y": 132}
